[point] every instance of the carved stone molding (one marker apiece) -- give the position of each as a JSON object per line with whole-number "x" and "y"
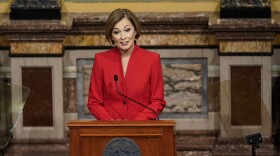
{"x": 34, "y": 37}
{"x": 35, "y": 48}
{"x": 245, "y": 47}
{"x": 158, "y": 29}
{"x": 146, "y": 40}
{"x": 245, "y": 36}
{"x": 151, "y": 23}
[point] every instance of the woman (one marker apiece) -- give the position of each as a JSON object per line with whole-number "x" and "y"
{"x": 139, "y": 74}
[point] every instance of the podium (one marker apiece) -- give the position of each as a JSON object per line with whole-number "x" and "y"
{"x": 102, "y": 138}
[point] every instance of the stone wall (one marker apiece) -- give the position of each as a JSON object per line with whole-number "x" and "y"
{"x": 197, "y": 52}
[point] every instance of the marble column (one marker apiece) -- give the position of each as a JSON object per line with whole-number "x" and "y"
{"x": 36, "y": 50}
{"x": 42, "y": 116}
{"x": 245, "y": 96}
{"x": 245, "y": 49}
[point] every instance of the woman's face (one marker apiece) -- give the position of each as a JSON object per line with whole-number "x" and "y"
{"x": 123, "y": 35}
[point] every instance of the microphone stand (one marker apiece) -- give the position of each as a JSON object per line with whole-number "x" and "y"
{"x": 254, "y": 146}
{"x": 116, "y": 79}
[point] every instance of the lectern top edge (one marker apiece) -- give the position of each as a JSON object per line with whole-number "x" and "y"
{"x": 92, "y": 137}
{"x": 96, "y": 123}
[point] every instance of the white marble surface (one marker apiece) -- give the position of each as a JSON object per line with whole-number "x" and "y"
{"x": 71, "y": 56}
{"x": 182, "y": 88}
{"x": 57, "y": 130}
{"x": 4, "y": 58}
{"x": 227, "y": 130}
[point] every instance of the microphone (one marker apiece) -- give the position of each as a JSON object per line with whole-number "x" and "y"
{"x": 116, "y": 80}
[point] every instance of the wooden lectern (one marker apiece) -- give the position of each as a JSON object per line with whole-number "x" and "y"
{"x": 91, "y": 137}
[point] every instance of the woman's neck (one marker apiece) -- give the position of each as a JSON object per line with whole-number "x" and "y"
{"x": 127, "y": 52}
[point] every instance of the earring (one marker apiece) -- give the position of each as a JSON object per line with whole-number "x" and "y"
{"x": 113, "y": 42}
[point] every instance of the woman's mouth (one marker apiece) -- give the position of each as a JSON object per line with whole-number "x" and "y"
{"x": 124, "y": 43}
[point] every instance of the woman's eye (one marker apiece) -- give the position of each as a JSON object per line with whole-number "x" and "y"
{"x": 115, "y": 32}
{"x": 127, "y": 30}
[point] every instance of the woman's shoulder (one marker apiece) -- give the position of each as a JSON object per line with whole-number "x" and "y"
{"x": 149, "y": 53}
{"x": 105, "y": 54}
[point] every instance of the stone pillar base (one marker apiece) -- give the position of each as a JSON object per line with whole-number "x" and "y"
{"x": 235, "y": 147}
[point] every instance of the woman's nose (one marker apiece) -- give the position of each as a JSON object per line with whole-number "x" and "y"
{"x": 123, "y": 35}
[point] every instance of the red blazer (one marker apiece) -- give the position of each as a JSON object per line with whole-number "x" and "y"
{"x": 143, "y": 82}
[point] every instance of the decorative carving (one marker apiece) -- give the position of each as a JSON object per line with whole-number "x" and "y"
{"x": 122, "y": 146}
